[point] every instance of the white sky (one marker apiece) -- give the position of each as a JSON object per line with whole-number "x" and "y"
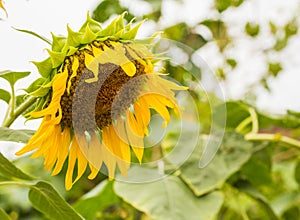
{"x": 43, "y": 16}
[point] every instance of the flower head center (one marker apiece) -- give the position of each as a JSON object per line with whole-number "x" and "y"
{"x": 85, "y": 103}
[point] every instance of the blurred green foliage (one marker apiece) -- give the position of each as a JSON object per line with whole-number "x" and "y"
{"x": 247, "y": 179}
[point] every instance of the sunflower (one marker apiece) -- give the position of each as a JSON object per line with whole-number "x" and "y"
{"x": 95, "y": 96}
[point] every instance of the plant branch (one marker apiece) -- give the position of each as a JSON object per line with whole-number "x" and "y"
{"x": 253, "y": 115}
{"x": 273, "y": 137}
{"x": 15, "y": 114}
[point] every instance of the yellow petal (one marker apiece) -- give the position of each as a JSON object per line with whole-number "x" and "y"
{"x": 35, "y": 141}
{"x": 71, "y": 165}
{"x": 95, "y": 154}
{"x": 142, "y": 115}
{"x": 93, "y": 173}
{"x": 63, "y": 151}
{"x": 108, "y": 157}
{"x": 129, "y": 68}
{"x": 75, "y": 154}
{"x": 1, "y": 6}
{"x": 136, "y": 142}
{"x": 159, "y": 108}
{"x": 51, "y": 154}
{"x": 124, "y": 143}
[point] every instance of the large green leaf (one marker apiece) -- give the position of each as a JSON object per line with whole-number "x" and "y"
{"x": 4, "y": 215}
{"x": 4, "y": 95}
{"x": 96, "y": 201}
{"x": 168, "y": 198}
{"x": 47, "y": 200}
{"x": 258, "y": 169}
{"x": 20, "y": 136}
{"x": 12, "y": 77}
{"x": 10, "y": 171}
{"x": 233, "y": 153}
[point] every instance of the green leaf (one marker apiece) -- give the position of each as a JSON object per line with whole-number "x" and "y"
{"x": 285, "y": 201}
{"x": 291, "y": 28}
{"x": 222, "y": 5}
{"x": 4, "y": 215}
{"x": 262, "y": 204}
{"x": 236, "y": 113}
{"x": 12, "y": 77}
{"x": 47, "y": 200}
{"x": 57, "y": 58}
{"x": 297, "y": 172}
{"x": 107, "y": 8}
{"x": 58, "y": 42}
{"x": 258, "y": 169}
{"x": 20, "y": 136}
{"x": 39, "y": 87}
{"x": 183, "y": 33}
{"x": 34, "y": 34}
{"x": 232, "y": 63}
{"x": 10, "y": 171}
{"x": 168, "y": 198}
{"x": 97, "y": 200}
{"x": 274, "y": 68}
{"x": 44, "y": 67}
{"x": 219, "y": 31}
{"x": 280, "y": 44}
{"x": 231, "y": 156}
{"x": 252, "y": 29}
{"x": 5, "y": 95}
{"x": 273, "y": 28}
{"x": 74, "y": 39}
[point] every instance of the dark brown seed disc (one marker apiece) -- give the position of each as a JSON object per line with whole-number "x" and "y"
{"x": 98, "y": 103}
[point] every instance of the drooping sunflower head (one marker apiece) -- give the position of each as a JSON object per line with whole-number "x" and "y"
{"x": 95, "y": 95}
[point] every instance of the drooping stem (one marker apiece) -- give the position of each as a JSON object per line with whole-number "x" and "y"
{"x": 253, "y": 115}
{"x": 253, "y": 135}
{"x": 273, "y": 137}
{"x": 14, "y": 114}
{"x": 243, "y": 124}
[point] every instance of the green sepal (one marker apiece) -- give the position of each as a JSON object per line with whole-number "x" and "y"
{"x": 44, "y": 67}
{"x": 93, "y": 25}
{"x": 148, "y": 42}
{"x": 114, "y": 27}
{"x": 74, "y": 38}
{"x": 58, "y": 42}
{"x": 35, "y": 85}
{"x": 71, "y": 50}
{"x": 88, "y": 36}
{"x": 57, "y": 58}
{"x": 130, "y": 34}
{"x": 34, "y": 34}
{"x": 39, "y": 87}
{"x": 103, "y": 38}
{"x": 39, "y": 105}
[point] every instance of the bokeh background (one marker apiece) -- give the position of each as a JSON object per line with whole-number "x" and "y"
{"x": 250, "y": 46}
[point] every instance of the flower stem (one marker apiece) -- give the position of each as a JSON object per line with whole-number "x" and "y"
{"x": 253, "y": 115}
{"x": 243, "y": 124}
{"x": 14, "y": 114}
{"x": 12, "y": 103}
{"x": 272, "y": 137}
